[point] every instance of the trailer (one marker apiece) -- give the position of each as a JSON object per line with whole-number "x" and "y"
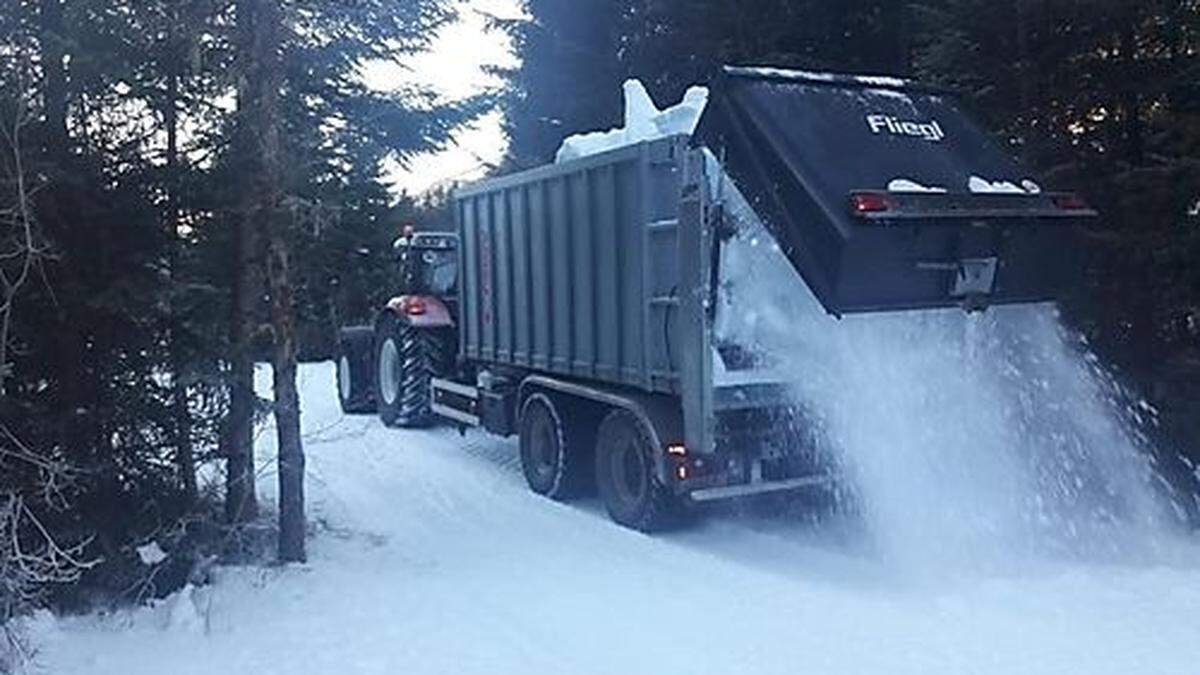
{"x": 575, "y": 306}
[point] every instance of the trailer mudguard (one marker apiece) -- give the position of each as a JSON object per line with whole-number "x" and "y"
{"x": 885, "y": 196}
{"x": 421, "y": 311}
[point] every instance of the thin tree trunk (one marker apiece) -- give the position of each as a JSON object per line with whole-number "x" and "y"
{"x": 241, "y": 500}
{"x": 1130, "y": 98}
{"x": 182, "y": 431}
{"x": 55, "y": 88}
{"x": 264, "y": 80}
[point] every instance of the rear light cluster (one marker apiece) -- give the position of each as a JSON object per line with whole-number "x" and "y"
{"x": 684, "y": 466}
{"x": 870, "y": 202}
{"x": 413, "y": 305}
{"x": 1069, "y": 201}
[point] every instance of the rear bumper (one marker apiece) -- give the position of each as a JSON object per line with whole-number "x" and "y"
{"x": 758, "y": 450}
{"x": 762, "y": 487}
{"x": 918, "y": 265}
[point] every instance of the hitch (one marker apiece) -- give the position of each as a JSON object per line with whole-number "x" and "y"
{"x": 974, "y": 280}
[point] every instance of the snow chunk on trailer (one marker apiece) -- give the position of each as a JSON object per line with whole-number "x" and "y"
{"x": 643, "y": 122}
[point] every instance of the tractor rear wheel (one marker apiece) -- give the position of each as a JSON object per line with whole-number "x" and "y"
{"x": 406, "y": 360}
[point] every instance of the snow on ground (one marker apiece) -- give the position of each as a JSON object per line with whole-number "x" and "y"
{"x": 430, "y": 556}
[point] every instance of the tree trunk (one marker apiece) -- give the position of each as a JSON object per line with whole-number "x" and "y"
{"x": 1130, "y": 98}
{"x": 264, "y": 80}
{"x": 182, "y": 427}
{"x": 241, "y": 500}
{"x": 54, "y": 54}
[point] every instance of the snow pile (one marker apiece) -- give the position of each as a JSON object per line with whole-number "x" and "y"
{"x": 643, "y": 122}
{"x": 975, "y": 185}
{"x": 911, "y": 186}
{"x": 971, "y": 440}
{"x": 980, "y": 185}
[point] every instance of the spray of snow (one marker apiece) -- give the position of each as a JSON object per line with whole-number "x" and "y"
{"x": 968, "y": 441}
{"x": 643, "y": 122}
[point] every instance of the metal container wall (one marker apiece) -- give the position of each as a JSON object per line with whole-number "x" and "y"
{"x": 572, "y": 268}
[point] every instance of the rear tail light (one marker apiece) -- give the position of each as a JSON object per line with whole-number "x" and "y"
{"x": 414, "y": 306}
{"x": 1069, "y": 201}
{"x": 862, "y": 203}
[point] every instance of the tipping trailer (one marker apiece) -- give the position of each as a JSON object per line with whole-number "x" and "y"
{"x": 577, "y": 301}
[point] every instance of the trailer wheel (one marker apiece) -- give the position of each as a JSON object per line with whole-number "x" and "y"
{"x": 625, "y": 474}
{"x": 356, "y": 395}
{"x": 406, "y": 360}
{"x": 550, "y": 458}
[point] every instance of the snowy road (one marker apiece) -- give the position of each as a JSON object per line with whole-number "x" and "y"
{"x": 430, "y": 556}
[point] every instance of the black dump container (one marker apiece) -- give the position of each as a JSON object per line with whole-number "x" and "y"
{"x": 885, "y": 195}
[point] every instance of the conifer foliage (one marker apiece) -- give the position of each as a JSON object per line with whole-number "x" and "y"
{"x": 183, "y": 187}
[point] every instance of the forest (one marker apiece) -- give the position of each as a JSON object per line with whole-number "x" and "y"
{"x": 190, "y": 187}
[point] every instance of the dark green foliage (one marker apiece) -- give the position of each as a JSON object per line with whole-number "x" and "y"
{"x": 1101, "y": 97}
{"x": 136, "y": 161}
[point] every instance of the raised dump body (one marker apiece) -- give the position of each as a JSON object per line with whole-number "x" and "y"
{"x": 885, "y": 196}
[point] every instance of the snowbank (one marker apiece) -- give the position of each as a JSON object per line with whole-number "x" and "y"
{"x": 643, "y": 122}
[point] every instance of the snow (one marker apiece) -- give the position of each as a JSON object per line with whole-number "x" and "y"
{"x": 908, "y": 185}
{"x": 883, "y": 81}
{"x": 151, "y": 554}
{"x": 429, "y": 555}
{"x": 984, "y": 186}
{"x": 643, "y": 122}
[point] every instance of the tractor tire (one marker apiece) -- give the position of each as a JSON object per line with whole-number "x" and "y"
{"x": 552, "y": 458}
{"x": 625, "y": 475}
{"x": 356, "y": 393}
{"x": 406, "y": 360}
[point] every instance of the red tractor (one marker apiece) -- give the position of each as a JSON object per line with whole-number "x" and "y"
{"x": 387, "y": 367}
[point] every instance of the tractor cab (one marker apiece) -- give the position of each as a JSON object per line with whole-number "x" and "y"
{"x": 428, "y": 263}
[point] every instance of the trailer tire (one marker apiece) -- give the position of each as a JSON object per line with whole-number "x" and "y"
{"x": 353, "y": 359}
{"x": 625, "y": 475}
{"x": 551, "y": 458}
{"x": 406, "y": 361}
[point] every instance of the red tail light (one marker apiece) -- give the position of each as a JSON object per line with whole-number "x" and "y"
{"x": 870, "y": 202}
{"x": 414, "y": 306}
{"x": 1069, "y": 201}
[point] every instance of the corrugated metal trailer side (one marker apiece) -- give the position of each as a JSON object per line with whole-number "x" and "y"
{"x": 572, "y": 269}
